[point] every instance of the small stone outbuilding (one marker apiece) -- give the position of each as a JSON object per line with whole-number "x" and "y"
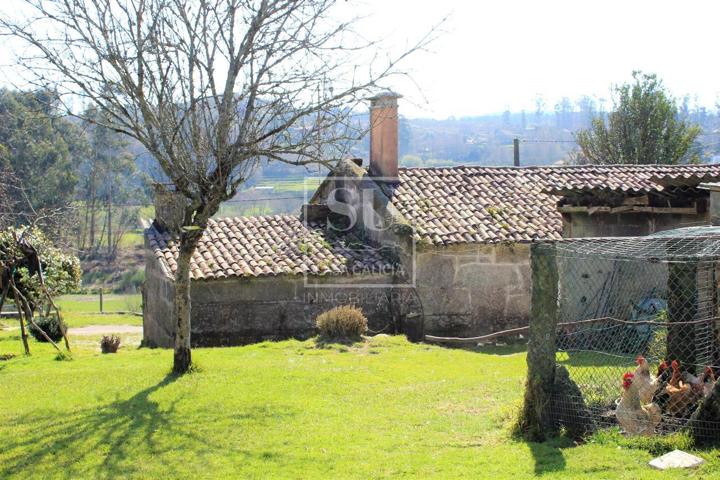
{"x": 258, "y": 278}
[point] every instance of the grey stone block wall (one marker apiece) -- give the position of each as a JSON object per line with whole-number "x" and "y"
{"x": 158, "y": 294}
{"x": 469, "y": 290}
{"x": 245, "y": 310}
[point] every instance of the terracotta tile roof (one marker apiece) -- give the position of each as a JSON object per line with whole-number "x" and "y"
{"x": 267, "y": 245}
{"x": 507, "y": 204}
{"x": 628, "y": 178}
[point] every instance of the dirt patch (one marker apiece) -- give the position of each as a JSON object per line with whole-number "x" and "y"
{"x": 105, "y": 330}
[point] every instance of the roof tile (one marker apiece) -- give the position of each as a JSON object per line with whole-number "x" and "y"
{"x": 502, "y": 204}
{"x": 266, "y": 245}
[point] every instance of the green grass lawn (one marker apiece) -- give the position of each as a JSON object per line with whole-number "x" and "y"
{"x": 383, "y": 409}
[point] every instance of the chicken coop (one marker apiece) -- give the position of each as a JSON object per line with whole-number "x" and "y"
{"x": 630, "y": 326}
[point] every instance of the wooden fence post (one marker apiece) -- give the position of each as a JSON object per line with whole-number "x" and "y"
{"x": 535, "y": 422}
{"x": 101, "y": 300}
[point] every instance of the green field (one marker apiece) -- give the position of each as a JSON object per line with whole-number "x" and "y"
{"x": 132, "y": 239}
{"x": 380, "y": 409}
{"x": 83, "y": 310}
{"x": 91, "y": 303}
{"x": 298, "y": 186}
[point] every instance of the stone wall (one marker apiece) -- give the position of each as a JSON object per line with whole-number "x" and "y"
{"x": 469, "y": 290}
{"x": 245, "y": 310}
{"x": 596, "y": 287}
{"x": 158, "y": 294}
{"x": 582, "y": 225}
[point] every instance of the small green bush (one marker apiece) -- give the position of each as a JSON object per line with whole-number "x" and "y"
{"x": 50, "y": 325}
{"x": 344, "y": 323}
{"x": 131, "y": 281}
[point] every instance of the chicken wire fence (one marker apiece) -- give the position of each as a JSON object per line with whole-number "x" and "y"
{"x": 638, "y": 331}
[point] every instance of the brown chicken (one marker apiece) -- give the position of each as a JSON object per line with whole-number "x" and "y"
{"x": 681, "y": 395}
{"x": 632, "y": 416}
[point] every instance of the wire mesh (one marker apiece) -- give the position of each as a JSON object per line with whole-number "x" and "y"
{"x": 638, "y": 331}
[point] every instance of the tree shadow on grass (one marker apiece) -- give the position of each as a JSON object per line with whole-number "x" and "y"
{"x": 499, "y": 349}
{"x": 548, "y": 456}
{"x": 597, "y": 359}
{"x": 103, "y": 442}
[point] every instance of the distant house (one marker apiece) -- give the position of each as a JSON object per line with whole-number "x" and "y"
{"x": 443, "y": 251}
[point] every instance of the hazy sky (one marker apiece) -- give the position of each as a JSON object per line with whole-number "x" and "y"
{"x": 500, "y": 55}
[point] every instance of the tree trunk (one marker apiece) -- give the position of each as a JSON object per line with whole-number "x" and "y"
{"x": 83, "y": 233}
{"x": 109, "y": 222}
{"x": 21, "y": 317}
{"x": 91, "y": 241}
{"x": 535, "y": 422}
{"x": 182, "y": 358}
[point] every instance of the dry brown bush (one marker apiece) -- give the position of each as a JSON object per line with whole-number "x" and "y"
{"x": 345, "y": 322}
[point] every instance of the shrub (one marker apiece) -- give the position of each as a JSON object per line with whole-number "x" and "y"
{"x": 50, "y": 325}
{"x": 344, "y": 322}
{"x": 131, "y": 281}
{"x": 109, "y": 344}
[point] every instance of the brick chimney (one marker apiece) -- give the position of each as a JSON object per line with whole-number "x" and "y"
{"x": 384, "y": 135}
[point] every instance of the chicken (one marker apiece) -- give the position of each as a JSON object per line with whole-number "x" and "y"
{"x": 681, "y": 395}
{"x": 688, "y": 377}
{"x": 645, "y": 381}
{"x": 632, "y": 416}
{"x": 663, "y": 377}
{"x": 709, "y": 381}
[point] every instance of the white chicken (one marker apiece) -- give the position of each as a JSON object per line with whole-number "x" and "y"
{"x": 645, "y": 381}
{"x": 634, "y": 417}
{"x": 709, "y": 381}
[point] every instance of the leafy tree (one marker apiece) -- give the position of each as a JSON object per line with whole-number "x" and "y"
{"x": 644, "y": 128}
{"x": 32, "y": 272}
{"x": 39, "y": 146}
{"x": 61, "y": 271}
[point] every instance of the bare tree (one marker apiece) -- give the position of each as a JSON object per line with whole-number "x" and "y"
{"x": 210, "y": 88}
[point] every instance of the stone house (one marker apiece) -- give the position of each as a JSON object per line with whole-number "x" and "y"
{"x": 443, "y": 251}
{"x": 256, "y": 278}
